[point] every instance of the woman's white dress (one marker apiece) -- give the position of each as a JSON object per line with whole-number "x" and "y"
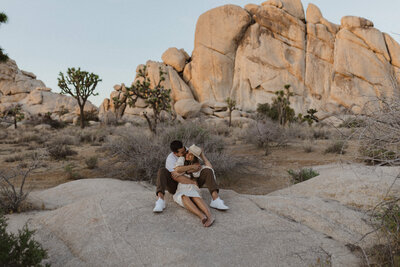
{"x": 189, "y": 190}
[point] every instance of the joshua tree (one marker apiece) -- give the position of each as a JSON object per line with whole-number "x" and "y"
{"x": 3, "y": 19}
{"x": 84, "y": 84}
{"x": 231, "y": 106}
{"x": 158, "y": 98}
{"x": 14, "y": 112}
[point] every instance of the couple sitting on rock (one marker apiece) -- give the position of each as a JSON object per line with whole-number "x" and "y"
{"x": 186, "y": 170}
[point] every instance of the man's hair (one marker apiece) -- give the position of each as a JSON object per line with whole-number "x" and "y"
{"x": 176, "y": 145}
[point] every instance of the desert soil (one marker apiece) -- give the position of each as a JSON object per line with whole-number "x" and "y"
{"x": 260, "y": 175}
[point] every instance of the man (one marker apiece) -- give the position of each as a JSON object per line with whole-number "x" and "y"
{"x": 169, "y": 177}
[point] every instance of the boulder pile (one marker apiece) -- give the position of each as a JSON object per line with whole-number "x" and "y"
{"x": 21, "y": 87}
{"x": 249, "y": 53}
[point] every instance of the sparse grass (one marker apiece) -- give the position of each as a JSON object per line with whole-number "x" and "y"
{"x": 72, "y": 174}
{"x": 302, "y": 175}
{"x": 91, "y": 162}
{"x": 336, "y": 147}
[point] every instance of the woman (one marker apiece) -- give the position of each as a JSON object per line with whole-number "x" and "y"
{"x": 188, "y": 195}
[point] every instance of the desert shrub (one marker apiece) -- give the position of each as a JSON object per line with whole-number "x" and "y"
{"x": 30, "y": 137}
{"x": 387, "y": 223}
{"x": 308, "y": 148}
{"x": 267, "y": 134}
{"x": 13, "y": 158}
{"x": 89, "y": 135}
{"x": 321, "y": 133}
{"x": 21, "y": 249}
{"x": 72, "y": 174}
{"x": 91, "y": 162}
{"x": 376, "y": 155}
{"x": 336, "y": 147}
{"x": 352, "y": 123}
{"x": 302, "y": 175}
{"x": 59, "y": 150}
{"x": 280, "y": 109}
{"x": 12, "y": 181}
{"x": 137, "y": 156}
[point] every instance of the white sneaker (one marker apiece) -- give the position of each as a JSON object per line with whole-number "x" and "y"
{"x": 218, "y": 204}
{"x": 160, "y": 205}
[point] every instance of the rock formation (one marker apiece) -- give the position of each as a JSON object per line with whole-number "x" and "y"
{"x": 250, "y": 53}
{"x": 108, "y": 222}
{"x": 22, "y": 87}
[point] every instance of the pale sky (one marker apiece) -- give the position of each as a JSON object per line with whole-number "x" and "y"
{"x": 112, "y": 37}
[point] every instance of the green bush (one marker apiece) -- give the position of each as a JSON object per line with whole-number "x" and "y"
{"x": 302, "y": 175}
{"x": 21, "y": 249}
{"x": 280, "y": 109}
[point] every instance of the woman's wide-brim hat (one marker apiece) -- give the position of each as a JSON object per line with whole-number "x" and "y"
{"x": 195, "y": 150}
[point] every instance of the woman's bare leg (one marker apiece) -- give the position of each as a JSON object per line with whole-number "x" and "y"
{"x": 203, "y": 207}
{"x": 189, "y": 205}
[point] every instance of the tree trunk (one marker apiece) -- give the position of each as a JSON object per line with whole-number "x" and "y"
{"x": 15, "y": 121}
{"x": 82, "y": 115}
{"x": 230, "y": 118}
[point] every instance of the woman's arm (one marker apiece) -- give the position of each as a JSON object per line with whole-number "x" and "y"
{"x": 205, "y": 160}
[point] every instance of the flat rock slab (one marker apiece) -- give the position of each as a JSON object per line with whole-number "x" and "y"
{"x": 108, "y": 222}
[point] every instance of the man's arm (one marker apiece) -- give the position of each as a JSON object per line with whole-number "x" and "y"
{"x": 180, "y": 178}
{"x": 188, "y": 168}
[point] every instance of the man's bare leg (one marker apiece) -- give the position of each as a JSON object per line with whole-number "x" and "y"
{"x": 189, "y": 205}
{"x": 160, "y": 195}
{"x": 203, "y": 207}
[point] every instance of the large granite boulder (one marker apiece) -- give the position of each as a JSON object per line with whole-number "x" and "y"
{"x": 218, "y": 32}
{"x": 107, "y": 222}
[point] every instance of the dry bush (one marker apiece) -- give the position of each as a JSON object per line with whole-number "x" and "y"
{"x": 136, "y": 156}
{"x": 91, "y": 162}
{"x": 336, "y": 147}
{"x": 379, "y": 143}
{"x": 379, "y": 138}
{"x": 94, "y": 135}
{"x": 12, "y": 181}
{"x": 59, "y": 148}
{"x": 321, "y": 133}
{"x": 267, "y": 134}
{"x": 13, "y": 158}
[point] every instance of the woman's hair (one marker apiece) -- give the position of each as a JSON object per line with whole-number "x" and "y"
{"x": 190, "y": 162}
